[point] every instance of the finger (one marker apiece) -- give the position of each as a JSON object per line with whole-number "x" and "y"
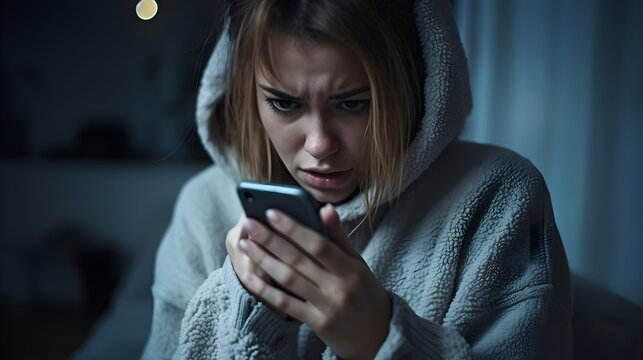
{"x": 314, "y": 244}
{"x": 250, "y": 266}
{"x": 283, "y": 274}
{"x": 241, "y": 263}
{"x": 284, "y": 250}
{"x": 234, "y": 234}
{"x": 331, "y": 220}
{"x": 280, "y": 300}
{"x": 239, "y": 225}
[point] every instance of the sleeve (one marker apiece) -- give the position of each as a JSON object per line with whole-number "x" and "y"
{"x": 166, "y": 322}
{"x": 181, "y": 265}
{"x": 532, "y": 328}
{"x": 512, "y": 296}
{"x": 413, "y": 337}
{"x": 224, "y": 321}
{"x": 201, "y": 310}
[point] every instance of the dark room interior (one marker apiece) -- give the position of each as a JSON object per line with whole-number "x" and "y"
{"x": 97, "y": 137}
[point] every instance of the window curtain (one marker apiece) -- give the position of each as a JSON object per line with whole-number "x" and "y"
{"x": 561, "y": 83}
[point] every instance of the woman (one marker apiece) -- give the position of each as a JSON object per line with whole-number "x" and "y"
{"x": 440, "y": 248}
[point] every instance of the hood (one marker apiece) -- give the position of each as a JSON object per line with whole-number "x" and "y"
{"x": 447, "y": 97}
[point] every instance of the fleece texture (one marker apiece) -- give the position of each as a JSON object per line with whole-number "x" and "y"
{"x": 469, "y": 252}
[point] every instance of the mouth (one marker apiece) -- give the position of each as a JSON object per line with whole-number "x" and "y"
{"x": 326, "y": 179}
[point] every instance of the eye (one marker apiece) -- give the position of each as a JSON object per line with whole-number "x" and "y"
{"x": 281, "y": 106}
{"x": 354, "y": 105}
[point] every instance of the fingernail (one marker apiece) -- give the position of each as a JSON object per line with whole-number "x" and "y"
{"x": 250, "y": 277}
{"x": 273, "y": 216}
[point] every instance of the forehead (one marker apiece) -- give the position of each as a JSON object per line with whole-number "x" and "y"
{"x": 288, "y": 56}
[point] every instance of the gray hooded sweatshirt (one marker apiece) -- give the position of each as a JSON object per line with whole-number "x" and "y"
{"x": 469, "y": 252}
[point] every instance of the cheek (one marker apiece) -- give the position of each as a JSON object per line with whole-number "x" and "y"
{"x": 354, "y": 140}
{"x": 268, "y": 122}
{"x": 283, "y": 137}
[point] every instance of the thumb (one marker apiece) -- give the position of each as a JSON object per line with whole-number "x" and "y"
{"x": 330, "y": 218}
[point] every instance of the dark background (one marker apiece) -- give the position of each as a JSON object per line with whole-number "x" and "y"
{"x": 96, "y": 138}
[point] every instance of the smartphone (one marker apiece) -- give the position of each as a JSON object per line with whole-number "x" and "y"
{"x": 257, "y": 197}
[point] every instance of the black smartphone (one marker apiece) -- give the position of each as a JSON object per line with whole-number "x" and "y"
{"x": 257, "y": 197}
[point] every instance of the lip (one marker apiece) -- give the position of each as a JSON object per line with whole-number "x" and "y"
{"x": 325, "y": 178}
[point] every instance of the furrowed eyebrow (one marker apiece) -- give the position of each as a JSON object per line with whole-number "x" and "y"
{"x": 349, "y": 93}
{"x": 340, "y": 96}
{"x": 280, "y": 94}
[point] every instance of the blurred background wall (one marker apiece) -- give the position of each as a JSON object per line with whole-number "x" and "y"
{"x": 561, "y": 82}
{"x": 96, "y": 139}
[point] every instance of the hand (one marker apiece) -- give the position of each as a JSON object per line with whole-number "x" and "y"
{"x": 340, "y": 298}
{"x": 241, "y": 263}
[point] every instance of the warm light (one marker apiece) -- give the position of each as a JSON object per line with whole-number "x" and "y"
{"x": 146, "y": 9}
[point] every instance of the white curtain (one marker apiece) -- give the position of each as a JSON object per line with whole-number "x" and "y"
{"x": 561, "y": 83}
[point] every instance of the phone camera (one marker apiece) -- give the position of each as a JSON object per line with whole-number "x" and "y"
{"x": 249, "y": 197}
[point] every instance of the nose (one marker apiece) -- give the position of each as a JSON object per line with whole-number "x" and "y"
{"x": 321, "y": 141}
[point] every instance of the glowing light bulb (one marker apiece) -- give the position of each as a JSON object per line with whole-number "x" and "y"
{"x": 146, "y": 9}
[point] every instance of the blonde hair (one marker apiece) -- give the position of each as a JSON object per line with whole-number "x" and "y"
{"x": 384, "y": 40}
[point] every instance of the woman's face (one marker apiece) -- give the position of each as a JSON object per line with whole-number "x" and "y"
{"x": 315, "y": 113}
